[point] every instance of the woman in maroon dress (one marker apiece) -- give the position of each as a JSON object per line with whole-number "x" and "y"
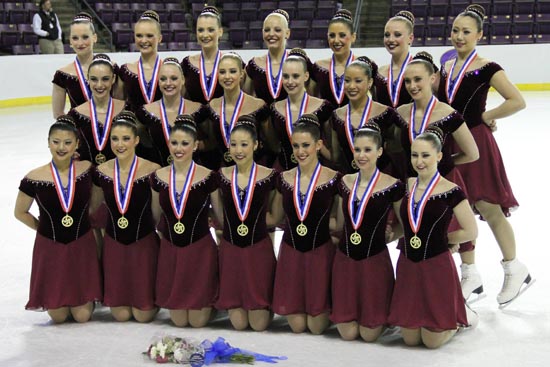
{"x": 464, "y": 84}
{"x": 362, "y": 274}
{"x": 298, "y": 102}
{"x": 328, "y": 74}
{"x": 94, "y": 117}
{"x": 247, "y": 260}
{"x": 158, "y": 117}
{"x": 427, "y": 302}
{"x": 139, "y": 80}
{"x": 200, "y": 71}
{"x": 71, "y": 80}
{"x": 65, "y": 276}
{"x": 130, "y": 244}
{"x": 224, "y": 111}
{"x": 187, "y": 271}
{"x": 306, "y": 203}
{"x": 360, "y": 110}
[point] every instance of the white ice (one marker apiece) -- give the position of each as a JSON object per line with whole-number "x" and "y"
{"x": 516, "y": 336}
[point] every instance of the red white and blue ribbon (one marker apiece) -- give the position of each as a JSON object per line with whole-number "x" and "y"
{"x": 415, "y": 213}
{"x": 164, "y": 118}
{"x": 178, "y": 206}
{"x": 65, "y": 194}
{"x": 148, "y": 88}
{"x": 425, "y": 119}
{"x": 84, "y": 86}
{"x": 122, "y": 196}
{"x": 451, "y": 86}
{"x": 208, "y": 89}
{"x": 338, "y": 88}
{"x": 364, "y": 118}
{"x": 394, "y": 89}
{"x": 243, "y": 207}
{"x": 100, "y": 139}
{"x": 227, "y": 128}
{"x": 288, "y": 117}
{"x": 274, "y": 84}
{"x": 302, "y": 209}
{"x": 356, "y": 216}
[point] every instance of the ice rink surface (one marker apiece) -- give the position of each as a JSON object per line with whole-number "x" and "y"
{"x": 516, "y": 336}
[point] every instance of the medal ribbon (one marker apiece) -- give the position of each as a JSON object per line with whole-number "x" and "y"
{"x": 178, "y": 206}
{"x": 100, "y": 139}
{"x": 303, "y": 210}
{"x": 166, "y": 128}
{"x": 65, "y": 194}
{"x": 415, "y": 215}
{"x": 357, "y": 217}
{"x": 227, "y": 128}
{"x": 84, "y": 86}
{"x": 288, "y": 117}
{"x": 394, "y": 90}
{"x": 364, "y": 118}
{"x": 425, "y": 119}
{"x": 209, "y": 88}
{"x": 244, "y": 207}
{"x": 274, "y": 85}
{"x": 149, "y": 88}
{"x": 123, "y": 200}
{"x": 451, "y": 87}
{"x": 338, "y": 90}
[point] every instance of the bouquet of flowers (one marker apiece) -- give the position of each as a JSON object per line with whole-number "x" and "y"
{"x": 189, "y": 352}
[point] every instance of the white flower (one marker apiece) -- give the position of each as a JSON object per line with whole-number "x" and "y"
{"x": 153, "y": 352}
{"x": 162, "y": 349}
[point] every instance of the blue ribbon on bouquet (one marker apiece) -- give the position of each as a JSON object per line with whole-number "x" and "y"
{"x": 221, "y": 352}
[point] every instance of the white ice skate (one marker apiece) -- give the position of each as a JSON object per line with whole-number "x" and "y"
{"x": 471, "y": 284}
{"x": 516, "y": 281}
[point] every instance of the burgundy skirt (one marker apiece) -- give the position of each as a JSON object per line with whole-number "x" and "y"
{"x": 486, "y": 178}
{"x": 187, "y": 277}
{"x": 129, "y": 272}
{"x": 246, "y": 275}
{"x": 427, "y": 294}
{"x": 455, "y": 177}
{"x": 64, "y": 275}
{"x": 302, "y": 280}
{"x": 362, "y": 290}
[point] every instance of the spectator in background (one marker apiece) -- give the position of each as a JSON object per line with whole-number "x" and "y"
{"x": 46, "y": 25}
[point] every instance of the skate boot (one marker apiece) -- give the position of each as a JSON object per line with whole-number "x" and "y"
{"x": 471, "y": 283}
{"x": 516, "y": 281}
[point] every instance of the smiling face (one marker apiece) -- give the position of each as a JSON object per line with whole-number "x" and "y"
{"x": 170, "y": 79}
{"x": 62, "y": 145}
{"x": 147, "y": 36}
{"x": 366, "y": 152}
{"x": 275, "y": 32}
{"x": 305, "y": 148}
{"x": 123, "y": 141}
{"x": 424, "y": 157}
{"x": 418, "y": 81}
{"x": 208, "y": 32}
{"x": 181, "y": 146}
{"x": 465, "y": 34}
{"x": 101, "y": 79}
{"x": 82, "y": 39}
{"x": 356, "y": 83}
{"x": 242, "y": 147}
{"x": 340, "y": 38}
{"x": 230, "y": 73}
{"x": 294, "y": 77}
{"x": 397, "y": 37}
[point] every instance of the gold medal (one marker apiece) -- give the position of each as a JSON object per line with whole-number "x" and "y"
{"x": 227, "y": 157}
{"x": 242, "y": 230}
{"x": 293, "y": 158}
{"x": 179, "y": 227}
{"x": 122, "y": 222}
{"x": 170, "y": 159}
{"x": 67, "y": 221}
{"x": 301, "y": 229}
{"x": 415, "y": 242}
{"x": 355, "y": 238}
{"x": 354, "y": 164}
{"x": 100, "y": 158}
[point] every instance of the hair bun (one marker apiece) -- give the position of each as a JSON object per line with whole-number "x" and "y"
{"x": 187, "y": 120}
{"x": 232, "y": 54}
{"x": 476, "y": 9}
{"x": 298, "y": 52}
{"x": 309, "y": 118}
{"x": 425, "y": 56}
{"x": 246, "y": 120}
{"x": 102, "y": 58}
{"x": 171, "y": 60}
{"x": 371, "y": 126}
{"x": 364, "y": 59}
{"x": 210, "y": 10}
{"x": 406, "y": 14}
{"x": 82, "y": 17}
{"x": 127, "y": 116}
{"x": 65, "y": 119}
{"x": 150, "y": 15}
{"x": 343, "y": 14}
{"x": 282, "y": 13}
{"x": 435, "y": 131}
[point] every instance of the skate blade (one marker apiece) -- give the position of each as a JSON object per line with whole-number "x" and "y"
{"x": 528, "y": 283}
{"x": 475, "y": 297}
